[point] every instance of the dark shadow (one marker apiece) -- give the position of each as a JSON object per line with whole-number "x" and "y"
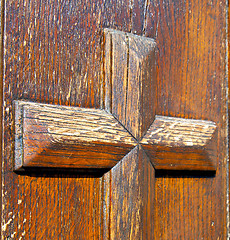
{"x": 62, "y": 173}
{"x": 184, "y": 174}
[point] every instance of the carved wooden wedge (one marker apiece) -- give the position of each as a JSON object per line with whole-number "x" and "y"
{"x": 68, "y": 137}
{"x": 181, "y": 144}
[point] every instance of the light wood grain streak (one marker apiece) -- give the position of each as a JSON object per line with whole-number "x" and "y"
{"x": 170, "y": 131}
{"x": 68, "y": 137}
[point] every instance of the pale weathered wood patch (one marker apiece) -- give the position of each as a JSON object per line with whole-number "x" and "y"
{"x": 178, "y": 143}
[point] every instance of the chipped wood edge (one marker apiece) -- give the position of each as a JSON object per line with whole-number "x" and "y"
{"x": 18, "y": 137}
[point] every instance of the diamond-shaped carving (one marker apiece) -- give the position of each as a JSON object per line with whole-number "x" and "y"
{"x": 181, "y": 144}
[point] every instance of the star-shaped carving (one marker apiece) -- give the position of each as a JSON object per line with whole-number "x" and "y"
{"x": 50, "y": 136}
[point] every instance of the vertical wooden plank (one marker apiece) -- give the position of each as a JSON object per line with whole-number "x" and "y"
{"x": 138, "y": 10}
{"x": 2, "y": 5}
{"x": 53, "y": 54}
{"x": 130, "y": 67}
{"x": 128, "y": 81}
{"x": 191, "y": 79}
{"x": 42, "y": 62}
{"x": 131, "y": 197}
{"x": 228, "y": 190}
{"x": 116, "y": 63}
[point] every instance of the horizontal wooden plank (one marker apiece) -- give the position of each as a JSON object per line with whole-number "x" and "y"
{"x": 50, "y": 136}
{"x": 68, "y": 137}
{"x": 181, "y": 144}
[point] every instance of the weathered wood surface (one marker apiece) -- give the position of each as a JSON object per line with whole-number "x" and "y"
{"x": 68, "y": 137}
{"x": 181, "y": 144}
{"x": 53, "y": 54}
{"x": 192, "y": 83}
{"x": 50, "y": 136}
{"x": 129, "y": 210}
{"x": 130, "y": 80}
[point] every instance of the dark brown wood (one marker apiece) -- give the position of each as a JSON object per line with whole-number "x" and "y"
{"x": 1, "y": 95}
{"x": 51, "y": 136}
{"x": 130, "y": 80}
{"x": 191, "y": 83}
{"x": 228, "y": 116}
{"x": 181, "y": 144}
{"x": 53, "y": 54}
{"x": 129, "y": 210}
{"x": 124, "y": 59}
{"x": 49, "y": 65}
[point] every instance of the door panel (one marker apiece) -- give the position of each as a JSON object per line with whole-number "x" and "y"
{"x": 53, "y": 53}
{"x": 191, "y": 40}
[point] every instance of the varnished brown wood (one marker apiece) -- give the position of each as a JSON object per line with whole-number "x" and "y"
{"x": 1, "y": 95}
{"x": 49, "y": 66}
{"x": 130, "y": 80}
{"x": 191, "y": 40}
{"x": 128, "y": 196}
{"x": 50, "y": 136}
{"x": 181, "y": 144}
{"x": 53, "y": 136}
{"x": 53, "y": 54}
{"x": 130, "y": 209}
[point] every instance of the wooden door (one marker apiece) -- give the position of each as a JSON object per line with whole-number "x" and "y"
{"x": 60, "y": 53}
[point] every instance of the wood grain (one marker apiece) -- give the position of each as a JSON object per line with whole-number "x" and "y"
{"x": 191, "y": 79}
{"x": 50, "y": 136}
{"x": 43, "y": 63}
{"x": 68, "y": 137}
{"x": 1, "y": 96}
{"x": 181, "y": 144}
{"x": 53, "y": 54}
{"x": 129, "y": 198}
{"x": 129, "y": 87}
{"x": 130, "y": 80}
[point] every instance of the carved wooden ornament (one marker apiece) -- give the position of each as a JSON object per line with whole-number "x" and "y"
{"x": 51, "y": 136}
